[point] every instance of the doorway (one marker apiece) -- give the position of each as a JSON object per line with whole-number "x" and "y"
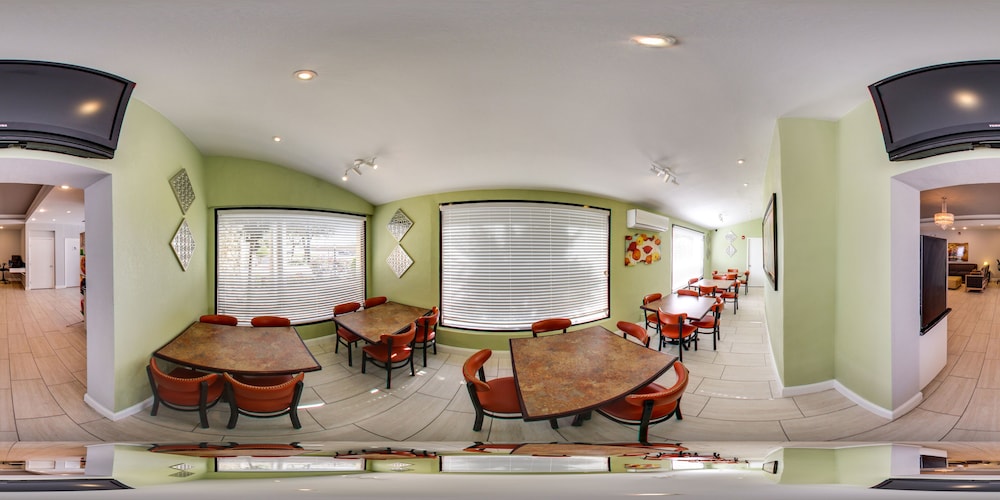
{"x": 41, "y": 260}
{"x": 755, "y": 261}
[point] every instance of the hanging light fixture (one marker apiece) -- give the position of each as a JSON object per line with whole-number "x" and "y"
{"x": 356, "y": 166}
{"x": 944, "y": 218}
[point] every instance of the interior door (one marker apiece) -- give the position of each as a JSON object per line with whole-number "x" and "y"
{"x": 755, "y": 260}
{"x": 42, "y": 262}
{"x": 71, "y": 262}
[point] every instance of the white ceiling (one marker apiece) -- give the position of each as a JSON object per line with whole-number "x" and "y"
{"x": 542, "y": 94}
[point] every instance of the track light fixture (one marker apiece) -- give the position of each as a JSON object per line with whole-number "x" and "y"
{"x": 356, "y": 166}
{"x": 667, "y": 174}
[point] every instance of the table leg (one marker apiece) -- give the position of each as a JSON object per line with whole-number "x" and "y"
{"x": 554, "y": 423}
{"x": 580, "y": 417}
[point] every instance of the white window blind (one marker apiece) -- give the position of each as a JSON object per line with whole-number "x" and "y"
{"x": 292, "y": 263}
{"x": 505, "y": 265}
{"x": 688, "y": 256}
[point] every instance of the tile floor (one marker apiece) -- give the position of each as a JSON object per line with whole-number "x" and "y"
{"x": 731, "y": 396}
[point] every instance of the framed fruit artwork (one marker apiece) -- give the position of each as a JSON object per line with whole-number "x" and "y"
{"x": 641, "y": 248}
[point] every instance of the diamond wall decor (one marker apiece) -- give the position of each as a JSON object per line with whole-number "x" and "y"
{"x": 183, "y": 244}
{"x": 399, "y": 261}
{"x": 399, "y": 225}
{"x": 183, "y": 191}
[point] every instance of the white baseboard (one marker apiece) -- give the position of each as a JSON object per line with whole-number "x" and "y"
{"x": 114, "y": 416}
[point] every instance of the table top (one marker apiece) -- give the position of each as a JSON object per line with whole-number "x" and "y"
{"x": 694, "y": 307}
{"x": 243, "y": 350}
{"x": 386, "y": 319}
{"x": 571, "y": 373}
{"x": 719, "y": 284}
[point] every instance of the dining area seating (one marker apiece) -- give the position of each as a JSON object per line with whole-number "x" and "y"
{"x": 650, "y": 404}
{"x": 494, "y": 398}
{"x": 184, "y": 389}
{"x": 392, "y": 351}
{"x": 264, "y": 401}
{"x": 550, "y": 325}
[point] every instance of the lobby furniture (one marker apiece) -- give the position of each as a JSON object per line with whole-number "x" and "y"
{"x": 696, "y": 307}
{"x": 183, "y": 389}
{"x": 674, "y": 328}
{"x": 961, "y": 268}
{"x": 550, "y": 325}
{"x": 375, "y": 301}
{"x": 17, "y": 274}
{"x": 573, "y": 373}
{"x": 219, "y": 319}
{"x": 637, "y": 332}
{"x": 371, "y": 324}
{"x": 426, "y": 335}
{"x": 976, "y": 281}
{"x": 270, "y": 321}
{"x": 651, "y": 404}
{"x": 240, "y": 350}
{"x": 3, "y": 274}
{"x": 390, "y": 352}
{"x": 264, "y": 401}
{"x": 344, "y": 336}
{"x": 495, "y": 398}
{"x": 651, "y": 316}
{"x": 954, "y": 282}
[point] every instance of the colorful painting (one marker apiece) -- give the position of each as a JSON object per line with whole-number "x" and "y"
{"x": 958, "y": 252}
{"x": 641, "y": 249}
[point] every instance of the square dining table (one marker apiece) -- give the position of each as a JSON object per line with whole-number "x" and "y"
{"x": 240, "y": 350}
{"x": 386, "y": 319}
{"x": 572, "y": 373}
{"x": 695, "y": 307}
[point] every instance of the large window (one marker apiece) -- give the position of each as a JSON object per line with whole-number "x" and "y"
{"x": 688, "y": 256}
{"x": 292, "y": 263}
{"x": 506, "y": 264}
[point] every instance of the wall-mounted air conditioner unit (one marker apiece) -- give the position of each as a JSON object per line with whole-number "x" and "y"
{"x": 647, "y": 221}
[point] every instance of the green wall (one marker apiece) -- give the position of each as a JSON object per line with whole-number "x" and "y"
{"x": 774, "y": 307}
{"x": 420, "y": 284}
{"x": 719, "y": 259}
{"x": 856, "y": 465}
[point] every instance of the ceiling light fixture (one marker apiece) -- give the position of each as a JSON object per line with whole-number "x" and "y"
{"x": 305, "y": 74}
{"x": 667, "y": 174}
{"x": 276, "y": 138}
{"x": 356, "y": 166}
{"x": 655, "y": 41}
{"x": 64, "y": 186}
{"x": 943, "y": 219}
{"x": 740, "y": 161}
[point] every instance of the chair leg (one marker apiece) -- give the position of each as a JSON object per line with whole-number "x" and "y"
{"x": 388, "y": 373}
{"x": 554, "y": 423}
{"x": 350, "y": 355}
{"x": 364, "y": 359}
{"x": 293, "y": 409}
{"x": 478, "y": 424}
{"x": 425, "y": 353}
{"x": 336, "y": 347}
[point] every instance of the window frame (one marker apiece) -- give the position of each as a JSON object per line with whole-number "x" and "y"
{"x": 673, "y": 255}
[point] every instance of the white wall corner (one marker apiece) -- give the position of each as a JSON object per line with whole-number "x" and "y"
{"x": 115, "y": 416}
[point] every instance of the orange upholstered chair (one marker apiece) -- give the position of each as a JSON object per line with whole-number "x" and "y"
{"x": 270, "y": 321}
{"x": 375, "y": 301}
{"x": 184, "y": 389}
{"x": 732, "y": 270}
{"x": 692, "y": 281}
{"x": 343, "y": 336}
{"x": 264, "y": 401}
{"x": 651, "y": 404}
{"x": 745, "y": 281}
{"x": 675, "y": 329}
{"x": 651, "y": 316}
{"x": 391, "y": 351}
{"x": 635, "y": 331}
{"x": 426, "y": 335}
{"x": 732, "y": 295}
{"x": 219, "y": 319}
{"x": 707, "y": 290}
{"x": 496, "y": 398}
{"x": 685, "y": 291}
{"x": 550, "y": 325}
{"x": 710, "y": 323}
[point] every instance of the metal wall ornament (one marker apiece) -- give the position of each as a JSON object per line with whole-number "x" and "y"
{"x": 731, "y": 249}
{"x": 399, "y": 225}
{"x": 399, "y": 261}
{"x": 183, "y": 244}
{"x": 183, "y": 191}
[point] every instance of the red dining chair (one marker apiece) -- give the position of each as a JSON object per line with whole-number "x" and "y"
{"x": 635, "y": 331}
{"x": 345, "y": 337}
{"x": 184, "y": 389}
{"x": 674, "y": 329}
{"x": 262, "y": 321}
{"x": 264, "y": 401}
{"x": 691, "y": 293}
{"x": 651, "y": 404}
{"x": 550, "y": 325}
{"x": 391, "y": 351}
{"x": 745, "y": 281}
{"x": 219, "y": 319}
{"x": 496, "y": 398}
{"x": 732, "y": 295}
{"x": 711, "y": 322}
{"x": 692, "y": 281}
{"x": 375, "y": 301}
{"x": 426, "y": 335}
{"x": 707, "y": 290}
{"x": 732, "y": 270}
{"x": 651, "y": 316}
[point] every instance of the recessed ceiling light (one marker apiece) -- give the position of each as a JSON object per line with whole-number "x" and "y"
{"x": 746, "y": 184}
{"x": 276, "y": 139}
{"x": 69, "y": 212}
{"x": 305, "y": 74}
{"x": 33, "y": 219}
{"x": 53, "y": 220}
{"x": 964, "y": 228}
{"x": 655, "y": 41}
{"x": 41, "y": 210}
{"x": 64, "y": 186}
{"x": 740, "y": 161}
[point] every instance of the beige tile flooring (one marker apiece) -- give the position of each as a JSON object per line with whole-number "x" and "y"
{"x": 731, "y": 396}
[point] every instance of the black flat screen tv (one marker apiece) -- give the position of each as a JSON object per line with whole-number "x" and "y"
{"x": 939, "y": 109}
{"x": 63, "y": 108}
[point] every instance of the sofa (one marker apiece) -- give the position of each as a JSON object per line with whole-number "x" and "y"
{"x": 961, "y": 268}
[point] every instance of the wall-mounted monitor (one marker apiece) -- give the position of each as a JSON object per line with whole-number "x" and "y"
{"x": 939, "y": 109}
{"x": 62, "y": 108}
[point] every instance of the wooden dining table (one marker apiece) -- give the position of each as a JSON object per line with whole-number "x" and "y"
{"x": 572, "y": 373}
{"x": 694, "y": 307}
{"x": 386, "y": 319}
{"x": 719, "y": 284}
{"x": 240, "y": 350}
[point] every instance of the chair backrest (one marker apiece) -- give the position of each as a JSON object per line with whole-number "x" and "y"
{"x": 730, "y": 276}
{"x": 651, "y": 297}
{"x": 637, "y": 332}
{"x": 427, "y": 325}
{"x": 219, "y": 319}
{"x": 706, "y": 290}
{"x": 692, "y": 281}
{"x": 732, "y": 270}
{"x": 270, "y": 321}
{"x": 167, "y": 384}
{"x": 375, "y": 301}
{"x": 346, "y": 307}
{"x": 473, "y": 366}
{"x": 671, "y": 394}
{"x": 672, "y": 319}
{"x": 269, "y": 398}
{"x": 550, "y": 325}
{"x": 401, "y": 339}
{"x": 685, "y": 291}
